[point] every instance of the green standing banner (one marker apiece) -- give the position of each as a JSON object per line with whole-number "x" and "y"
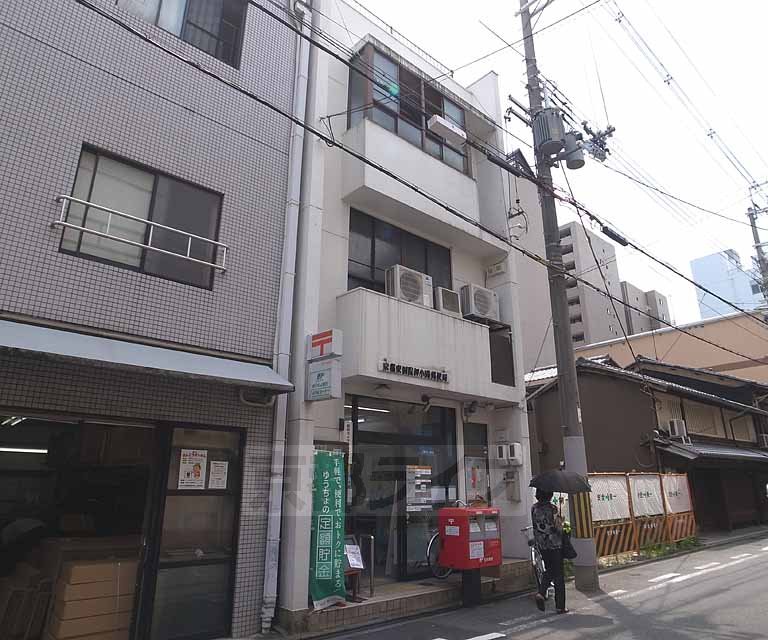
{"x": 326, "y": 566}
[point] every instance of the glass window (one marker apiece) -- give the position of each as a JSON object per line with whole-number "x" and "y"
{"x": 703, "y": 419}
{"x": 502, "y": 357}
{"x": 121, "y": 186}
{"x": 181, "y": 206}
{"x": 384, "y": 118}
{"x": 375, "y": 245}
{"x": 404, "y": 105}
{"x": 214, "y": 26}
{"x": 454, "y": 113}
{"x": 453, "y": 158}
{"x": 385, "y": 73}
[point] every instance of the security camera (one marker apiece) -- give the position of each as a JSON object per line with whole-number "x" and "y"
{"x": 426, "y": 402}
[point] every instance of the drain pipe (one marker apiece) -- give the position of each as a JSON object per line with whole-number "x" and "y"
{"x": 282, "y": 355}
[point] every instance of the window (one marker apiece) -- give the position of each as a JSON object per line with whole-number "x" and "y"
{"x": 374, "y": 246}
{"x": 572, "y": 302}
{"x": 502, "y": 357}
{"x": 118, "y": 185}
{"x": 402, "y": 102}
{"x": 577, "y": 337}
{"x": 575, "y": 319}
{"x": 743, "y": 426}
{"x": 703, "y": 419}
{"x": 214, "y": 26}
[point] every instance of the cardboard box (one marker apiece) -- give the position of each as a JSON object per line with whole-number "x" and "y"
{"x": 119, "y": 634}
{"x": 89, "y": 590}
{"x": 69, "y": 609}
{"x": 62, "y": 629}
{"x": 55, "y": 551}
{"x": 113, "y": 570}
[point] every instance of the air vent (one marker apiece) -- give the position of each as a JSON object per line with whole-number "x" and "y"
{"x": 479, "y": 303}
{"x": 409, "y": 285}
{"x": 447, "y": 301}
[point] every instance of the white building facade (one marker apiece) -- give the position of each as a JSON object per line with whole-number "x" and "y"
{"x": 425, "y": 392}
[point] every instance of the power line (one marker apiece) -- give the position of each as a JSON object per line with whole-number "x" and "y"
{"x": 681, "y": 200}
{"x": 378, "y": 167}
{"x": 508, "y": 46}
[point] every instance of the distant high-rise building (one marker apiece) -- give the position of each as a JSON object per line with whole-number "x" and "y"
{"x": 652, "y": 303}
{"x": 724, "y": 275}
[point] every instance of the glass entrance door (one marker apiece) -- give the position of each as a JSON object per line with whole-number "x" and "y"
{"x": 404, "y": 469}
{"x": 195, "y": 563}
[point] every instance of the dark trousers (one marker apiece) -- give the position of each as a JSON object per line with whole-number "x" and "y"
{"x": 553, "y": 573}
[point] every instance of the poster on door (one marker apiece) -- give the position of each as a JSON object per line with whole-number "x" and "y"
{"x": 476, "y": 472}
{"x": 192, "y": 468}
{"x": 418, "y": 485}
{"x": 646, "y": 495}
{"x": 219, "y": 472}
{"x": 609, "y": 498}
{"x": 676, "y": 493}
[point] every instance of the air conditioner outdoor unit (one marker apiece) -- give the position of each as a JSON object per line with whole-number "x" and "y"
{"x": 763, "y": 440}
{"x": 447, "y": 301}
{"x": 677, "y": 428}
{"x": 444, "y": 128}
{"x": 409, "y": 285}
{"x": 479, "y": 303}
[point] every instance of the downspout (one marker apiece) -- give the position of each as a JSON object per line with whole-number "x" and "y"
{"x": 282, "y": 355}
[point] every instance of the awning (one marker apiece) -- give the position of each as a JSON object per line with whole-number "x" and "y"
{"x": 71, "y": 345}
{"x": 706, "y": 450}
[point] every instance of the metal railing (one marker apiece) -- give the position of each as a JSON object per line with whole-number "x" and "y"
{"x": 62, "y": 222}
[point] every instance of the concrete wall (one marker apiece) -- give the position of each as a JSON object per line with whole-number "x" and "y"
{"x": 71, "y": 77}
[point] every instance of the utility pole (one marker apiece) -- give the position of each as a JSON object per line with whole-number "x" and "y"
{"x": 762, "y": 263}
{"x": 585, "y": 564}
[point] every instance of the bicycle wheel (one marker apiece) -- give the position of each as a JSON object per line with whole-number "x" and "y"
{"x": 538, "y": 567}
{"x": 433, "y": 554}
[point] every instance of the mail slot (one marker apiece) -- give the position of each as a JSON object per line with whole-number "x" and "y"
{"x": 470, "y": 537}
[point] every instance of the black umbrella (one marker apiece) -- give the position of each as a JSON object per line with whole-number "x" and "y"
{"x": 560, "y": 481}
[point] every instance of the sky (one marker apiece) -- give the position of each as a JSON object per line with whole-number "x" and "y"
{"x": 715, "y": 53}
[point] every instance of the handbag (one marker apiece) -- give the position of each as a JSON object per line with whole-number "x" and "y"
{"x": 569, "y": 553}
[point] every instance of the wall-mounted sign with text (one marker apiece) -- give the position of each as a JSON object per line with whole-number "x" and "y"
{"x": 398, "y": 368}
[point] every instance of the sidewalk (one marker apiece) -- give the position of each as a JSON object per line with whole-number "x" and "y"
{"x": 717, "y": 538}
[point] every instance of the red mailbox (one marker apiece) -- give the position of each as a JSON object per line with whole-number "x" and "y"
{"x": 470, "y": 538}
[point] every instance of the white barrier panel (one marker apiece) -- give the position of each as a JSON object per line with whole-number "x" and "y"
{"x": 677, "y": 494}
{"x": 609, "y": 498}
{"x": 646, "y": 495}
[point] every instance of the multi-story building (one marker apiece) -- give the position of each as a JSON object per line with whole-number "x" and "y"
{"x": 592, "y": 316}
{"x": 723, "y": 274}
{"x": 428, "y": 385}
{"x": 144, "y": 216}
{"x": 652, "y": 303}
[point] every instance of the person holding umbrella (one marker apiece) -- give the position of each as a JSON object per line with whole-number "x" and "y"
{"x": 548, "y": 531}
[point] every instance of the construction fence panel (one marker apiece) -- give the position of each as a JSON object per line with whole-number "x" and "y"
{"x": 647, "y": 499}
{"x": 638, "y": 510}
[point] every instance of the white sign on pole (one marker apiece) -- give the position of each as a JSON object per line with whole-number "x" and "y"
{"x": 609, "y": 498}
{"x": 646, "y": 495}
{"x": 324, "y": 379}
{"x": 677, "y": 494}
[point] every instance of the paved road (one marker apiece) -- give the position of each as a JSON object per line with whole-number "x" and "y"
{"x": 716, "y": 593}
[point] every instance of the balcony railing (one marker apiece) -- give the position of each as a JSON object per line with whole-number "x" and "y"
{"x": 148, "y": 246}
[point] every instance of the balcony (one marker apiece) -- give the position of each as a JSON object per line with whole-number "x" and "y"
{"x": 380, "y": 329}
{"x": 378, "y": 194}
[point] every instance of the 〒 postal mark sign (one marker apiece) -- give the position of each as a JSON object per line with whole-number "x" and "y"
{"x": 646, "y": 495}
{"x": 609, "y": 498}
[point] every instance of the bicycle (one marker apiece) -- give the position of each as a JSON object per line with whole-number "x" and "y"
{"x": 537, "y": 562}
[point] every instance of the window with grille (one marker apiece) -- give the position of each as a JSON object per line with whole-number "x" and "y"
{"x": 116, "y": 184}
{"x": 214, "y": 26}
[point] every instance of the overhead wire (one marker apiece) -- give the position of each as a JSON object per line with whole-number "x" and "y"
{"x": 389, "y": 173}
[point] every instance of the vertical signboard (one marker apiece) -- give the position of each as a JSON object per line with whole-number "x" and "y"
{"x": 677, "y": 496}
{"x": 326, "y": 570}
{"x": 646, "y": 495}
{"x": 609, "y": 498}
